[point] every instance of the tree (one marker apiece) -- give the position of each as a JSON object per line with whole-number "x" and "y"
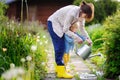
{"x": 103, "y": 9}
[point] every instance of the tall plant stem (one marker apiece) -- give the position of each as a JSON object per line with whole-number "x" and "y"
{"x": 22, "y": 11}
{"x": 27, "y": 9}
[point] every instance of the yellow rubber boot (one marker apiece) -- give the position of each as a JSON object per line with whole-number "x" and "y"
{"x": 68, "y": 57}
{"x": 61, "y": 73}
{"x": 65, "y": 58}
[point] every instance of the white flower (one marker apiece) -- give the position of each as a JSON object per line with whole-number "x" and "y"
{"x": 28, "y": 58}
{"x": 29, "y": 34}
{"x": 46, "y": 41}
{"x": 7, "y": 23}
{"x": 12, "y": 21}
{"x": 19, "y": 24}
{"x": 77, "y": 72}
{"x": 20, "y": 71}
{"x": 43, "y": 63}
{"x": 38, "y": 40}
{"x": 41, "y": 43}
{"x": 33, "y": 47}
{"x": 4, "y": 49}
{"x": 46, "y": 50}
{"x": 12, "y": 65}
{"x": 13, "y": 73}
{"x": 22, "y": 60}
{"x": 93, "y": 70}
{"x": 38, "y": 37}
{"x": 19, "y": 78}
{"x": 44, "y": 36}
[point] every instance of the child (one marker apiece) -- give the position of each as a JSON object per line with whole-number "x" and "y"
{"x": 69, "y": 42}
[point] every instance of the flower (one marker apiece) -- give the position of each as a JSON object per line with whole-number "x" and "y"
{"x": 38, "y": 37}
{"x": 22, "y": 60}
{"x": 12, "y": 65}
{"x": 33, "y": 47}
{"x": 13, "y": 73}
{"x": 38, "y": 40}
{"x": 12, "y": 21}
{"x": 77, "y": 72}
{"x": 4, "y": 49}
{"x": 28, "y": 58}
{"x": 46, "y": 41}
{"x": 29, "y": 34}
{"x": 46, "y": 50}
{"x": 41, "y": 43}
{"x": 44, "y": 36}
{"x": 43, "y": 63}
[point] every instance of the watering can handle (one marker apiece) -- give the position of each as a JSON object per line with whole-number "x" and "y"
{"x": 76, "y": 45}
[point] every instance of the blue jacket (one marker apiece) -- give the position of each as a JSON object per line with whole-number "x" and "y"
{"x": 69, "y": 42}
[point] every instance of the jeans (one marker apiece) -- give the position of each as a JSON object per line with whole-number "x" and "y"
{"x": 58, "y": 43}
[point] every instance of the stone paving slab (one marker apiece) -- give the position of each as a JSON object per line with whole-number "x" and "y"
{"x": 76, "y": 65}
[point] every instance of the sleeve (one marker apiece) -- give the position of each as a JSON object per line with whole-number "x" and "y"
{"x": 82, "y": 29}
{"x": 68, "y": 39}
{"x": 68, "y": 21}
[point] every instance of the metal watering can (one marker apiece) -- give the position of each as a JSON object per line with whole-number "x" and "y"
{"x": 83, "y": 51}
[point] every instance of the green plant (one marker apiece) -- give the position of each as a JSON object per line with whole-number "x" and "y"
{"x": 16, "y": 42}
{"x": 3, "y": 7}
{"x": 96, "y": 34}
{"x": 112, "y": 47}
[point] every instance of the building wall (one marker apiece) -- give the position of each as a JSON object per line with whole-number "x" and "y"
{"x": 38, "y": 10}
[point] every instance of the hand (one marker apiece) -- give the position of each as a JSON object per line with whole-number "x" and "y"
{"x": 89, "y": 42}
{"x": 80, "y": 41}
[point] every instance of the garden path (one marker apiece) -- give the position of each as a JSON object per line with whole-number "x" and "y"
{"x": 76, "y": 65}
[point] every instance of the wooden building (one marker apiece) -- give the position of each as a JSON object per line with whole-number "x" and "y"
{"x": 38, "y": 10}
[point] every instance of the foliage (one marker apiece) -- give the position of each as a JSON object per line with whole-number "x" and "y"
{"x": 112, "y": 47}
{"x": 2, "y": 9}
{"x": 96, "y": 32}
{"x": 103, "y": 9}
{"x": 18, "y": 40}
{"x": 2, "y": 12}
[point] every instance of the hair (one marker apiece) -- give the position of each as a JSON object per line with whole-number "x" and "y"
{"x": 74, "y": 25}
{"x": 87, "y": 8}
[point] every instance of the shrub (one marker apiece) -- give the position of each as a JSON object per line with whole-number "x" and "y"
{"x": 2, "y": 8}
{"x": 96, "y": 32}
{"x": 18, "y": 40}
{"x": 112, "y": 46}
{"x": 103, "y": 9}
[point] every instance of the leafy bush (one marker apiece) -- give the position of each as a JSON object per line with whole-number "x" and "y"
{"x": 112, "y": 46}
{"x": 2, "y": 8}
{"x": 96, "y": 32}
{"x": 18, "y": 40}
{"x": 103, "y": 8}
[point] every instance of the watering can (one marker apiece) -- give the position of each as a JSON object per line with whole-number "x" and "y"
{"x": 83, "y": 51}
